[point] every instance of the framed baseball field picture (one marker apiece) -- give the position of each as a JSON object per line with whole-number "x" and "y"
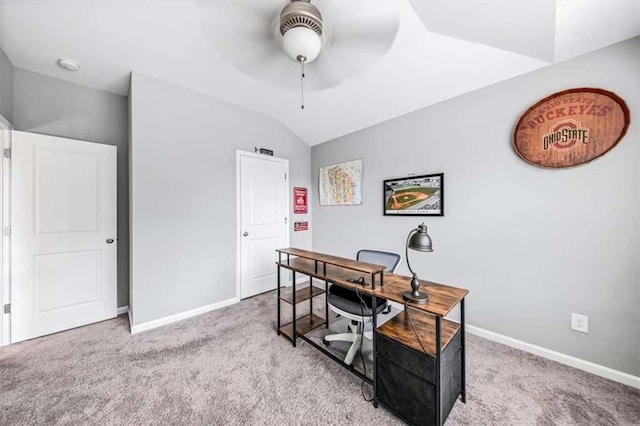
{"x": 414, "y": 196}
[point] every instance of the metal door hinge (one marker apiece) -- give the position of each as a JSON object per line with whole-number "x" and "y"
{"x": 285, "y": 176}
{"x": 7, "y": 308}
{"x": 285, "y": 220}
{"x": 6, "y": 230}
{"x": 6, "y": 153}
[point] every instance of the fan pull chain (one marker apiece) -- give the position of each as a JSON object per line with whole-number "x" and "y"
{"x": 302, "y": 59}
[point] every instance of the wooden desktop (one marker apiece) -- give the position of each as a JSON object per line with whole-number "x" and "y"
{"x": 417, "y": 379}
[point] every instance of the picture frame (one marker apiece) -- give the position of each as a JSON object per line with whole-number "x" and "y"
{"x": 341, "y": 184}
{"x": 414, "y": 196}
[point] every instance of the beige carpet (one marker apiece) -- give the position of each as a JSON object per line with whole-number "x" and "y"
{"x": 229, "y": 367}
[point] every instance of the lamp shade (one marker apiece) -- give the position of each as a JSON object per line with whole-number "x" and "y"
{"x": 301, "y": 41}
{"x": 420, "y": 241}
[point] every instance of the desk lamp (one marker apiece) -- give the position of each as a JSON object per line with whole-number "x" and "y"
{"x": 419, "y": 241}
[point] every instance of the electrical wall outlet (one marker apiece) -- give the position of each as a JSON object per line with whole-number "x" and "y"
{"x": 580, "y": 323}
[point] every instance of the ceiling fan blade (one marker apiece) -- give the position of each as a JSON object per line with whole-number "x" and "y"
{"x": 374, "y": 34}
{"x": 275, "y": 69}
{"x": 244, "y": 33}
{"x": 242, "y": 14}
{"x": 358, "y": 34}
{"x": 324, "y": 73}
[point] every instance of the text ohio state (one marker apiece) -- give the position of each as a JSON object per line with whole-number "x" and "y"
{"x": 565, "y": 135}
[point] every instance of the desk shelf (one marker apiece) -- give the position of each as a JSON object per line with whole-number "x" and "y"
{"x": 340, "y": 262}
{"x": 399, "y": 329}
{"x": 336, "y": 274}
{"x": 303, "y": 294}
{"x": 303, "y": 325}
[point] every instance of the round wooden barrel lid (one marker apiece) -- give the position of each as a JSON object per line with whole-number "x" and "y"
{"x": 571, "y": 127}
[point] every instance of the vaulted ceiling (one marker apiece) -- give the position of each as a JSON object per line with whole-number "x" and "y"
{"x": 385, "y": 58}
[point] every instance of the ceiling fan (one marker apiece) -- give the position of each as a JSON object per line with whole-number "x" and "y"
{"x": 338, "y": 38}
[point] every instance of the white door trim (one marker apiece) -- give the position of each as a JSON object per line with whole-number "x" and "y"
{"x": 5, "y": 248}
{"x": 239, "y": 155}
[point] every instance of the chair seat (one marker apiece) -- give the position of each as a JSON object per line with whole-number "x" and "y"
{"x": 347, "y": 300}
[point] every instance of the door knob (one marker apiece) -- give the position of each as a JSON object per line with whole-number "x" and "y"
{"x": 109, "y": 240}
{"x": 245, "y": 234}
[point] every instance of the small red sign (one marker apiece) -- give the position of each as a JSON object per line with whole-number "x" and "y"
{"x": 299, "y": 201}
{"x": 300, "y": 226}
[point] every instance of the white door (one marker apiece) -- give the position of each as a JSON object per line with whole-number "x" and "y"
{"x": 264, "y": 208}
{"x": 63, "y": 211}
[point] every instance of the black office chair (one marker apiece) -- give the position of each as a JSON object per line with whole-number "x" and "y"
{"x": 349, "y": 304}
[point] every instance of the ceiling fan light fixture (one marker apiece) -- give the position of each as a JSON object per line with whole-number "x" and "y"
{"x": 301, "y": 42}
{"x": 301, "y": 30}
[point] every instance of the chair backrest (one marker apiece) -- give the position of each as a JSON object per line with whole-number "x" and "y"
{"x": 384, "y": 258}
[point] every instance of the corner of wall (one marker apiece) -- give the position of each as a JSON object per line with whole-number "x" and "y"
{"x": 131, "y": 201}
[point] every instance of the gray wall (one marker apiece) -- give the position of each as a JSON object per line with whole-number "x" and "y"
{"x": 532, "y": 245}
{"x": 55, "y": 107}
{"x": 183, "y": 194}
{"x": 6, "y": 87}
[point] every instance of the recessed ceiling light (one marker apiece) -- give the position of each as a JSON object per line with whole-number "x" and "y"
{"x": 68, "y": 64}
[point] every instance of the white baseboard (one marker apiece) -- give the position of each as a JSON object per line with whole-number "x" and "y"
{"x": 590, "y": 367}
{"x": 182, "y": 315}
{"x": 123, "y": 310}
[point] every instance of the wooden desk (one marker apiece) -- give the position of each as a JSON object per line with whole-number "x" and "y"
{"x": 428, "y": 364}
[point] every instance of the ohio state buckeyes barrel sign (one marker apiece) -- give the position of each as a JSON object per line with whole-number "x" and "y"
{"x": 571, "y": 127}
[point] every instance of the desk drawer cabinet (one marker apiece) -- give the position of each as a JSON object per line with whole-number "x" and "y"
{"x": 405, "y": 380}
{"x": 406, "y": 358}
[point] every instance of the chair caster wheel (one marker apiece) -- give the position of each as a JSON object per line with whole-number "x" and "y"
{"x": 326, "y": 342}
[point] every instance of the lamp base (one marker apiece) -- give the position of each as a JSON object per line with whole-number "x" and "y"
{"x": 420, "y": 299}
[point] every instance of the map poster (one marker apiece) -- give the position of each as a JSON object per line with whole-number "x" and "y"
{"x": 341, "y": 184}
{"x": 414, "y": 196}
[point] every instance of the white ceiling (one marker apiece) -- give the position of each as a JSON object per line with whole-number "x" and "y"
{"x": 441, "y": 49}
